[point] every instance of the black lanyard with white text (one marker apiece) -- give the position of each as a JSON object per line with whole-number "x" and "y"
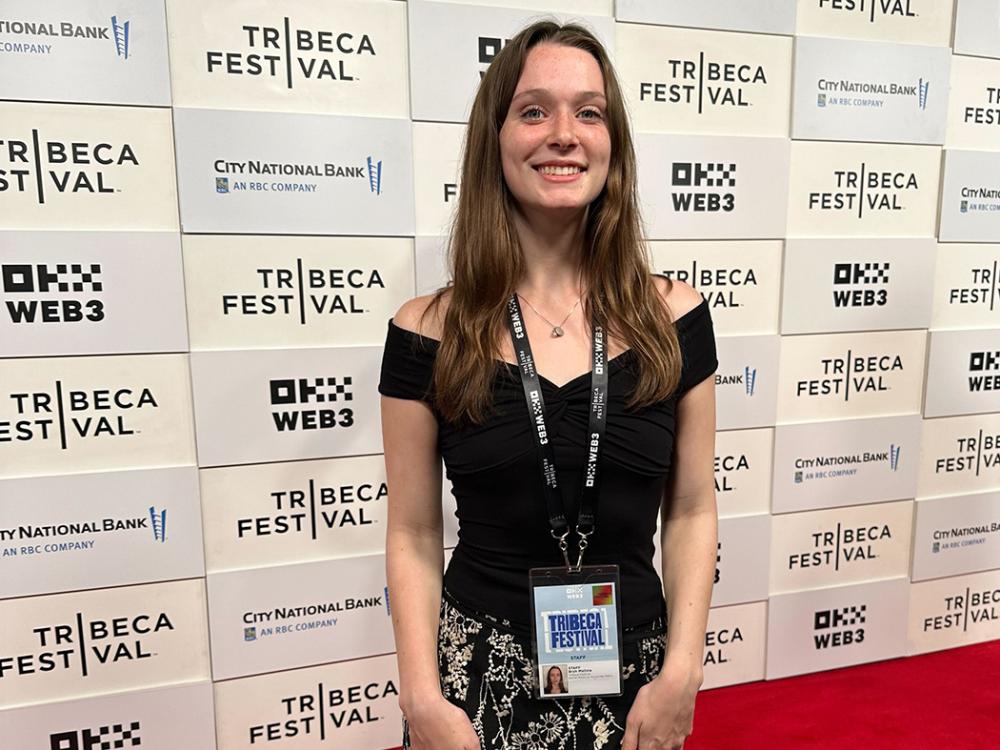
{"x": 586, "y": 520}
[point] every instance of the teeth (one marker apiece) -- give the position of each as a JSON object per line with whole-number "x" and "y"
{"x": 559, "y": 170}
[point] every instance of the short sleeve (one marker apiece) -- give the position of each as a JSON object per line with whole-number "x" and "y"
{"x": 407, "y": 364}
{"x": 697, "y": 340}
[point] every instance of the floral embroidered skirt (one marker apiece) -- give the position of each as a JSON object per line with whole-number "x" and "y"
{"x": 488, "y": 670}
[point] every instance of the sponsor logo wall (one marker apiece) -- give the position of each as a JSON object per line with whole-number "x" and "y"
{"x": 209, "y": 211}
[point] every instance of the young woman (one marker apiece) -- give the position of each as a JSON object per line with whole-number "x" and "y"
{"x": 548, "y": 217}
{"x": 554, "y": 682}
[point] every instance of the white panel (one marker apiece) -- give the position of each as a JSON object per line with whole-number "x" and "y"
{"x": 909, "y": 21}
{"x": 960, "y": 455}
{"x": 970, "y": 198}
{"x": 741, "y": 561}
{"x": 974, "y": 103}
{"x": 60, "y": 533}
{"x": 977, "y": 28}
{"x": 91, "y": 293}
{"x": 963, "y": 373}
{"x": 289, "y": 616}
{"x": 773, "y": 16}
{"x": 734, "y": 645}
{"x": 967, "y": 287}
{"x": 437, "y": 150}
{"x": 103, "y": 51}
{"x": 869, "y": 91}
{"x": 746, "y": 383}
{"x": 952, "y": 612}
{"x": 743, "y": 471}
{"x": 273, "y": 173}
{"x": 956, "y": 535}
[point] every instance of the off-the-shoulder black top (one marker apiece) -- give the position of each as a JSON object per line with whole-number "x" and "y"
{"x": 503, "y": 525}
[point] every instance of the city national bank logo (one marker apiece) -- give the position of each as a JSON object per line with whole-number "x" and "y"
{"x": 983, "y": 289}
{"x": 290, "y": 54}
{"x": 873, "y": 10}
{"x": 699, "y": 84}
{"x": 962, "y": 537}
{"x": 868, "y": 94}
{"x": 313, "y": 510}
{"x": 302, "y": 292}
{"x": 690, "y": 183}
{"x": 857, "y": 284}
{"x": 747, "y": 378}
{"x": 839, "y": 466}
{"x": 69, "y": 415}
{"x": 838, "y": 627}
{"x": 47, "y": 34}
{"x": 322, "y": 709}
{"x": 965, "y": 610}
{"x": 35, "y": 165}
{"x": 979, "y": 199}
{"x": 833, "y": 548}
{"x": 864, "y": 190}
{"x": 721, "y": 287}
{"x": 35, "y": 540}
{"x": 256, "y": 176}
{"x": 107, "y": 737}
{"x": 851, "y": 374}
{"x": 282, "y": 621}
{"x": 36, "y": 292}
{"x": 295, "y": 401}
{"x": 974, "y": 454}
{"x": 984, "y": 371}
{"x": 84, "y": 646}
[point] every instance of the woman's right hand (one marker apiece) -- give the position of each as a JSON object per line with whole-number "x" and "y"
{"x": 437, "y": 724}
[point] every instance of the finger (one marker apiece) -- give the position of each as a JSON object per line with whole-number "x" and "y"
{"x": 631, "y": 739}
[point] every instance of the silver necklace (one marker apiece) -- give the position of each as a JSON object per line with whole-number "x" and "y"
{"x": 556, "y": 329}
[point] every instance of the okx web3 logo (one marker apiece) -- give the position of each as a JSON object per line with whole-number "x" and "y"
{"x": 107, "y": 737}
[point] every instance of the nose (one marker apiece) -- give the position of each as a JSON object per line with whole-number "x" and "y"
{"x": 564, "y": 133}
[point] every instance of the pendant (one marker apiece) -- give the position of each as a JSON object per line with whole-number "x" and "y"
{"x": 557, "y": 331}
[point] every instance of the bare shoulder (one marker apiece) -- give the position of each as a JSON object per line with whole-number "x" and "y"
{"x": 679, "y": 296}
{"x": 411, "y": 315}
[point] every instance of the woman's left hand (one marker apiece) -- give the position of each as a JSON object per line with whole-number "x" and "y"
{"x": 662, "y": 715}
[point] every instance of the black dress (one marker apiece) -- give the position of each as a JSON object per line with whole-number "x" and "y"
{"x": 484, "y": 647}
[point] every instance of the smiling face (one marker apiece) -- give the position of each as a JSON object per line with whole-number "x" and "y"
{"x": 554, "y": 143}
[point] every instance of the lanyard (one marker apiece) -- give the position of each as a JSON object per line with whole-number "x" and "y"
{"x": 590, "y": 485}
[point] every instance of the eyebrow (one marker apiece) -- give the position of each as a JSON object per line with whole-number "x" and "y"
{"x": 545, "y": 92}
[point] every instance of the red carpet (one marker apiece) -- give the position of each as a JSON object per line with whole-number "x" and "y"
{"x": 948, "y": 699}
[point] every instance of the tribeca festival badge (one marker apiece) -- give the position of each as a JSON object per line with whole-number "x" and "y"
{"x": 31, "y": 163}
{"x": 44, "y": 35}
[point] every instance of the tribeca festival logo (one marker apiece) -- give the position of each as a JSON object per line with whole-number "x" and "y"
{"x": 301, "y": 292}
{"x": 701, "y": 84}
{"x": 725, "y": 467}
{"x": 82, "y": 645}
{"x": 33, "y": 292}
{"x": 868, "y": 94}
{"x": 295, "y": 399}
{"x": 719, "y": 286}
{"x": 841, "y": 465}
{"x": 974, "y": 454}
{"x": 46, "y": 31}
{"x": 256, "y": 174}
{"x": 837, "y": 627}
{"x": 68, "y": 415}
{"x": 36, "y": 165}
{"x": 292, "y": 54}
{"x": 982, "y": 289}
{"x": 984, "y": 371}
{"x": 489, "y": 47}
{"x": 311, "y": 510}
{"x": 874, "y": 10}
{"x": 967, "y": 609}
{"x": 323, "y": 709}
{"x": 853, "y": 373}
{"x": 702, "y": 175}
{"x": 984, "y": 115}
{"x": 716, "y": 640}
{"x": 72, "y": 536}
{"x": 840, "y": 546}
{"x": 107, "y": 737}
{"x": 282, "y": 621}
{"x": 864, "y": 189}
{"x": 853, "y": 284}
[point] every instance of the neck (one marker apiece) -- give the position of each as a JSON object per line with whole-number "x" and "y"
{"x": 552, "y": 247}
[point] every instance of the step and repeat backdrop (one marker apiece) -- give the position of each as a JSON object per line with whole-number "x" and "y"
{"x": 209, "y": 211}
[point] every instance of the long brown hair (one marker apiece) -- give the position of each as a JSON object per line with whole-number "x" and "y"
{"x": 484, "y": 254}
